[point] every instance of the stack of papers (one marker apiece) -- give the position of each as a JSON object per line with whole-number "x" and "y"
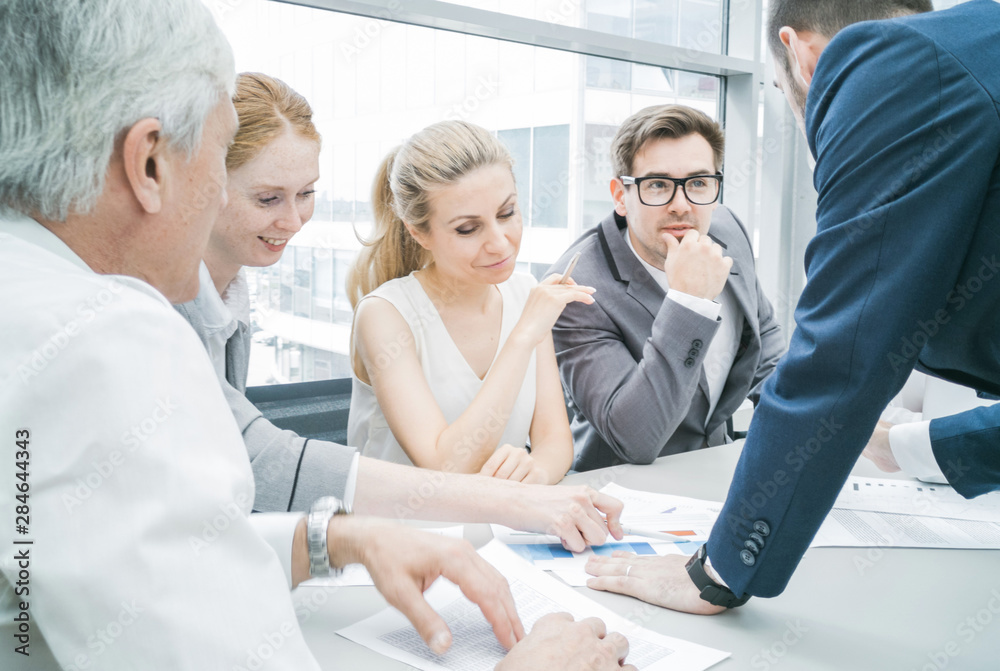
{"x": 905, "y": 513}
{"x": 475, "y": 647}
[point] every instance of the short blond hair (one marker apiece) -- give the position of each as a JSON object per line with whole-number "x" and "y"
{"x": 663, "y": 121}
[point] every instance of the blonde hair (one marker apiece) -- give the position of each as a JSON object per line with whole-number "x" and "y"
{"x": 437, "y": 156}
{"x": 266, "y": 107}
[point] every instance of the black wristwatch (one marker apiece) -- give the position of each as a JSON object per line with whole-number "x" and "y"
{"x": 711, "y": 591}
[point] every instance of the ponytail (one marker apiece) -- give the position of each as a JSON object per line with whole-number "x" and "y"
{"x": 439, "y": 155}
{"x": 391, "y": 252}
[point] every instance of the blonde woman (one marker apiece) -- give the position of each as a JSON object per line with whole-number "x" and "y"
{"x": 454, "y": 364}
{"x": 273, "y": 163}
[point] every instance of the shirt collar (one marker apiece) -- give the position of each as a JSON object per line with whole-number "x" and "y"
{"x": 32, "y": 232}
{"x": 236, "y": 297}
{"x": 656, "y": 273}
{"x": 208, "y": 312}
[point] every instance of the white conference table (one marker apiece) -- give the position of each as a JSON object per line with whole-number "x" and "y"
{"x": 845, "y": 608}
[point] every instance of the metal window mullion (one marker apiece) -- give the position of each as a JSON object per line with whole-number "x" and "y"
{"x": 533, "y": 32}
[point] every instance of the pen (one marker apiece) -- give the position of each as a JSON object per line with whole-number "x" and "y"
{"x": 570, "y": 267}
{"x": 658, "y": 535}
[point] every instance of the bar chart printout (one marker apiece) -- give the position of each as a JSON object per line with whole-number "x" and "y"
{"x": 474, "y": 646}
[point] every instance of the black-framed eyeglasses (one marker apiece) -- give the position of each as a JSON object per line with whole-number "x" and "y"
{"x": 656, "y": 191}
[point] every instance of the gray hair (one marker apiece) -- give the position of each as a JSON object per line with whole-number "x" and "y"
{"x": 78, "y": 74}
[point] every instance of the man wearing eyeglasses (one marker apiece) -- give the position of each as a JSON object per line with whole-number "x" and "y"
{"x": 681, "y": 332}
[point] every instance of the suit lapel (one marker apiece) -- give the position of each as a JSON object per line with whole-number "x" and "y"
{"x": 641, "y": 286}
{"x": 737, "y": 290}
{"x": 626, "y": 268}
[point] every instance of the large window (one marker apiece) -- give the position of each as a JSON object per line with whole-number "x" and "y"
{"x": 374, "y": 80}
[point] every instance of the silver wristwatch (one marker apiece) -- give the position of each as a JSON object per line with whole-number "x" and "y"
{"x": 320, "y": 513}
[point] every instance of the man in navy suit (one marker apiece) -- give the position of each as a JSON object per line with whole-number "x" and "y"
{"x": 904, "y": 270}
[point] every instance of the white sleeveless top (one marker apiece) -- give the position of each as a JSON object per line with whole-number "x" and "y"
{"x": 451, "y": 379}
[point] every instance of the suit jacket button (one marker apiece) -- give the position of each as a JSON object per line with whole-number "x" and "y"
{"x": 760, "y": 526}
{"x": 696, "y": 343}
{"x": 757, "y": 538}
{"x": 688, "y": 363}
{"x": 748, "y": 557}
{"x": 693, "y": 352}
{"x": 753, "y": 547}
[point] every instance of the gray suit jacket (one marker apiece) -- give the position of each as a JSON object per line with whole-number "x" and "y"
{"x": 632, "y": 361}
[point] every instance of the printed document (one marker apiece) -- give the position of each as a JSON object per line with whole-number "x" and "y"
{"x": 883, "y": 512}
{"x": 475, "y": 647}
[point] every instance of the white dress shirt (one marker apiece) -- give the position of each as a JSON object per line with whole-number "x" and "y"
{"x": 922, "y": 399}
{"x": 144, "y": 553}
{"x": 722, "y": 350}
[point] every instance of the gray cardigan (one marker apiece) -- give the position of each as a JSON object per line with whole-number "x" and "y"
{"x": 290, "y": 471}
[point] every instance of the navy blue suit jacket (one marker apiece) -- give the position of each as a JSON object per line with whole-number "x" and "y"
{"x": 904, "y": 121}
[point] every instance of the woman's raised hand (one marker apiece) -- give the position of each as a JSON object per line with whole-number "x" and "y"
{"x": 544, "y": 305}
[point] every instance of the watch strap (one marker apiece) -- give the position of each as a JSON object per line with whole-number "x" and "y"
{"x": 711, "y": 591}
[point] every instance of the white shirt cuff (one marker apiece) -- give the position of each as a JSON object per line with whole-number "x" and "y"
{"x": 278, "y": 529}
{"x": 706, "y": 308}
{"x": 911, "y": 447}
{"x": 352, "y": 482}
{"x": 712, "y": 573}
{"x": 895, "y": 415}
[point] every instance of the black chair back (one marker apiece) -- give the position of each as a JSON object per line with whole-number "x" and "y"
{"x": 316, "y": 410}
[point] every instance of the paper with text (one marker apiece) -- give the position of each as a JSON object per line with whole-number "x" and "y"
{"x": 474, "y": 646}
{"x": 911, "y": 497}
{"x": 863, "y": 528}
